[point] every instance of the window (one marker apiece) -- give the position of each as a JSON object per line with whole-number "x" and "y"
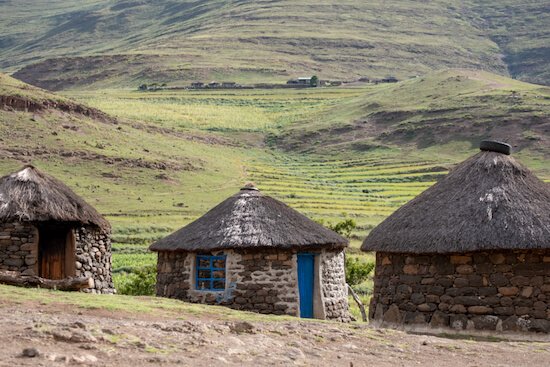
{"x": 210, "y": 273}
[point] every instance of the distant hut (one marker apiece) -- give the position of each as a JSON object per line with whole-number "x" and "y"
{"x": 471, "y": 252}
{"x": 252, "y": 252}
{"x": 48, "y": 231}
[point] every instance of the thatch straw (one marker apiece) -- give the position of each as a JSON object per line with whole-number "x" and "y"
{"x": 488, "y": 202}
{"x": 33, "y": 196}
{"x": 250, "y": 219}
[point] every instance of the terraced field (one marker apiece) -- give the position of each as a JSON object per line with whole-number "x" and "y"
{"x": 366, "y": 189}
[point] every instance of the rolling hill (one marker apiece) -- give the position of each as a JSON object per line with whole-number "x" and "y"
{"x": 437, "y": 109}
{"x": 105, "y": 43}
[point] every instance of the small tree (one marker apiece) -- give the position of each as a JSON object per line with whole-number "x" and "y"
{"x": 357, "y": 271}
{"x": 143, "y": 87}
{"x": 314, "y": 81}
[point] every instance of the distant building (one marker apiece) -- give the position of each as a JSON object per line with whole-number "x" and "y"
{"x": 300, "y": 81}
{"x": 197, "y": 85}
{"x": 229, "y": 85}
{"x": 389, "y": 79}
{"x": 214, "y": 85}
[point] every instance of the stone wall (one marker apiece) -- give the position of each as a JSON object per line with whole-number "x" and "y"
{"x": 18, "y": 248}
{"x": 334, "y": 288}
{"x": 501, "y": 291}
{"x": 93, "y": 258}
{"x": 264, "y": 282}
{"x": 19, "y": 252}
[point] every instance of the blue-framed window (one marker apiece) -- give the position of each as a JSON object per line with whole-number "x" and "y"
{"x": 210, "y": 274}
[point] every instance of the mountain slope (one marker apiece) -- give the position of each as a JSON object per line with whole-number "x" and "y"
{"x": 522, "y": 32}
{"x": 101, "y": 43}
{"x": 440, "y": 108}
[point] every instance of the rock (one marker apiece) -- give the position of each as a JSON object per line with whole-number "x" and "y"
{"x": 458, "y": 309}
{"x": 294, "y": 353}
{"x": 415, "y": 318}
{"x": 460, "y": 260}
{"x": 393, "y": 315}
{"x": 410, "y": 269}
{"x": 539, "y": 325}
{"x": 84, "y": 359}
{"x": 427, "y": 307}
{"x": 79, "y": 325}
{"x": 508, "y": 291}
{"x": 76, "y": 336}
{"x": 497, "y": 258}
{"x": 480, "y": 310}
{"x": 458, "y": 322}
{"x": 439, "y": 319}
{"x": 30, "y": 353}
{"x": 417, "y": 298}
{"x": 527, "y": 292}
{"x": 487, "y": 322}
{"x": 465, "y": 269}
{"x": 242, "y": 327}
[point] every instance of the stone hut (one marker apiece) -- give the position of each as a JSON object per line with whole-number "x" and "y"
{"x": 48, "y": 231}
{"x": 471, "y": 252}
{"x": 252, "y": 252}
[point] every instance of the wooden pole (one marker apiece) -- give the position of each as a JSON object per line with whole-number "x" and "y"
{"x": 359, "y": 303}
{"x": 67, "y": 284}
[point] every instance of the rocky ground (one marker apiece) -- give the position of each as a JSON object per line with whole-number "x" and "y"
{"x": 35, "y": 333}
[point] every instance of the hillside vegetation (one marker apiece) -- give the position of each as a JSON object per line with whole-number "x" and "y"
{"x": 154, "y": 161}
{"x": 439, "y": 108}
{"x": 93, "y": 44}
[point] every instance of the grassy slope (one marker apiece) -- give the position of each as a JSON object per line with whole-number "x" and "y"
{"x": 522, "y": 32}
{"x": 177, "y": 42}
{"x": 440, "y": 108}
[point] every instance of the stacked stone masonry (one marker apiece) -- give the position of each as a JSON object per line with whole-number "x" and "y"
{"x": 502, "y": 291}
{"x": 19, "y": 252}
{"x": 335, "y": 292}
{"x": 264, "y": 282}
{"x": 93, "y": 258}
{"x": 18, "y": 249}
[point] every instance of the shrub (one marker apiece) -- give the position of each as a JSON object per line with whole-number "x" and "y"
{"x": 344, "y": 227}
{"x": 140, "y": 282}
{"x": 357, "y": 271}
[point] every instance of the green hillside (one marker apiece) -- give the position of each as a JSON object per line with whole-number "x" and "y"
{"x": 153, "y": 161}
{"x": 93, "y": 44}
{"x": 439, "y": 108}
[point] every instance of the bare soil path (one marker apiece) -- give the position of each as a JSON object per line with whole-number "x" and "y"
{"x": 63, "y": 334}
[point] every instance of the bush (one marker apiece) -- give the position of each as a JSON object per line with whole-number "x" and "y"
{"x": 140, "y": 282}
{"x": 344, "y": 227}
{"x": 357, "y": 271}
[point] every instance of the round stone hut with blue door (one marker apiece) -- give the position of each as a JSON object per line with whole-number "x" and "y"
{"x": 252, "y": 252}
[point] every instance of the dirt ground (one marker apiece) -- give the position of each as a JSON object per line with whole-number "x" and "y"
{"x": 63, "y": 335}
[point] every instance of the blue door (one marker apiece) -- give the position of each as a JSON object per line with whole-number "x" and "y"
{"x": 305, "y": 284}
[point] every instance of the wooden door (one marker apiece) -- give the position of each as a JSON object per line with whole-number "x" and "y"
{"x": 53, "y": 246}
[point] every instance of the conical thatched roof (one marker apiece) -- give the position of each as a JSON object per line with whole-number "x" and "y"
{"x": 247, "y": 220}
{"x": 33, "y": 196}
{"x": 488, "y": 202}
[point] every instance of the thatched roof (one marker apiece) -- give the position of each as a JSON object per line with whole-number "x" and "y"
{"x": 248, "y": 220}
{"x": 488, "y": 202}
{"x": 33, "y": 196}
